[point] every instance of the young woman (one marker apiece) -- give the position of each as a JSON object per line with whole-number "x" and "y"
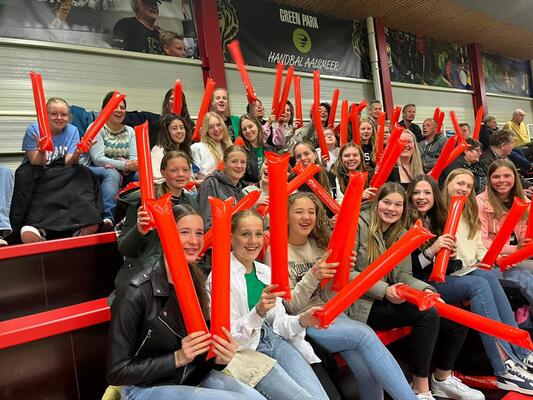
{"x": 137, "y": 242}
{"x": 220, "y": 105}
{"x": 350, "y": 160}
{"x": 174, "y": 135}
{"x": 150, "y": 353}
{"x": 259, "y": 321}
{"x": 368, "y": 141}
{"x": 308, "y": 131}
{"x": 305, "y": 153}
{"x": 252, "y": 136}
{"x": 494, "y": 204}
{"x": 210, "y": 150}
{"x": 371, "y": 363}
{"x": 469, "y": 160}
{"x": 409, "y": 164}
{"x": 484, "y": 289}
{"x": 223, "y": 184}
{"x": 331, "y": 141}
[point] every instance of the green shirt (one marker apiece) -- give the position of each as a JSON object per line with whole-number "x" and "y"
{"x": 254, "y": 288}
{"x": 260, "y": 153}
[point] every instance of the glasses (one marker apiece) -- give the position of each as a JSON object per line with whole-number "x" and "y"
{"x": 58, "y": 114}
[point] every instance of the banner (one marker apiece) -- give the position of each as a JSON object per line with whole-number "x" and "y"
{"x": 507, "y": 75}
{"x": 271, "y": 32}
{"x": 147, "y": 26}
{"x": 425, "y": 61}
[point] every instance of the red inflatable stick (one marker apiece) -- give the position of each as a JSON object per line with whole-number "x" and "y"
{"x": 477, "y": 126}
{"x": 395, "y": 116}
{"x": 423, "y": 300}
{"x": 506, "y": 262}
{"x": 373, "y": 273}
{"x": 380, "y": 140}
{"x": 488, "y": 326}
{"x": 529, "y": 230}
{"x": 45, "y": 142}
{"x": 438, "y": 117}
{"x": 298, "y": 99}
{"x": 86, "y": 141}
{"x": 235, "y": 51}
{"x": 514, "y": 215}
{"x": 317, "y": 189}
{"x": 361, "y": 106}
{"x": 455, "y": 123}
{"x": 220, "y": 290}
{"x": 303, "y": 175}
{"x": 178, "y": 97}
{"x": 277, "y": 87}
{"x": 442, "y": 161}
{"x": 278, "y": 205}
{"x": 206, "y": 101}
{"x": 161, "y": 210}
{"x": 387, "y": 162}
{"x": 333, "y": 110}
{"x": 316, "y": 88}
{"x": 461, "y": 147}
{"x": 317, "y": 122}
{"x": 452, "y": 222}
{"x": 354, "y": 117}
{"x": 342, "y": 239}
{"x": 344, "y": 122}
{"x": 239, "y": 141}
{"x": 243, "y": 204}
{"x": 477, "y": 381}
{"x": 285, "y": 93}
{"x": 142, "y": 140}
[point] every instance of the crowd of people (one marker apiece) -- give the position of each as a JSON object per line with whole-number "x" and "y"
{"x": 275, "y": 347}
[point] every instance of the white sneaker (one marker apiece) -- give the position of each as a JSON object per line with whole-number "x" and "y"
{"x": 453, "y": 388}
{"x": 516, "y": 379}
{"x": 528, "y": 362}
{"x": 30, "y": 234}
{"x": 425, "y": 396}
{"x": 2, "y": 242}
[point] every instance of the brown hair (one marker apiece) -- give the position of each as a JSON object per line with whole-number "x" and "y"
{"x": 322, "y": 176}
{"x": 321, "y": 231}
{"x": 162, "y": 188}
{"x": 251, "y": 212}
{"x": 500, "y": 209}
{"x": 339, "y": 170}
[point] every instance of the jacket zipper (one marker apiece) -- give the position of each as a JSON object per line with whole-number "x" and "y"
{"x": 168, "y": 326}
{"x": 148, "y": 336}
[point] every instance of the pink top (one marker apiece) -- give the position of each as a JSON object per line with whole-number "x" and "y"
{"x": 278, "y": 133}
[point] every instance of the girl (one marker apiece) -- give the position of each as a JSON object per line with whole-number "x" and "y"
{"x": 370, "y": 362}
{"x": 305, "y": 153}
{"x": 252, "y": 136}
{"x": 220, "y": 106}
{"x": 368, "y": 141}
{"x": 223, "y": 184}
{"x": 210, "y": 150}
{"x": 484, "y": 289}
{"x": 259, "y": 321}
{"x": 331, "y": 141}
{"x": 150, "y": 353}
{"x": 409, "y": 164}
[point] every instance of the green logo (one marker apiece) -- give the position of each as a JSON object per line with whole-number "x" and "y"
{"x": 301, "y": 40}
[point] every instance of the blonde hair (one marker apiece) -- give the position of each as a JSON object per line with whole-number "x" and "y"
{"x": 214, "y": 150}
{"x": 470, "y": 211}
{"x": 500, "y": 209}
{"x": 415, "y": 163}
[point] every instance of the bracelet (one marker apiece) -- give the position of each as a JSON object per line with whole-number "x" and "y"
{"x": 428, "y": 254}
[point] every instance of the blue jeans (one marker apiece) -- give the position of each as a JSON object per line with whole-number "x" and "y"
{"x": 216, "y": 386}
{"x": 488, "y": 299}
{"x": 371, "y": 363}
{"x": 6, "y": 192}
{"x": 518, "y": 159}
{"x": 292, "y": 378}
{"x": 110, "y": 183}
{"x": 522, "y": 275}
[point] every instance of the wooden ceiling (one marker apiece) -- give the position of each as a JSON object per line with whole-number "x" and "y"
{"x": 438, "y": 19}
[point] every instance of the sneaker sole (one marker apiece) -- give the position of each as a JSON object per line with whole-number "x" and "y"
{"x": 438, "y": 393}
{"x": 513, "y": 388}
{"x": 30, "y": 237}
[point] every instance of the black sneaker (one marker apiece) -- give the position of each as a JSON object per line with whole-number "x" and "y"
{"x": 516, "y": 379}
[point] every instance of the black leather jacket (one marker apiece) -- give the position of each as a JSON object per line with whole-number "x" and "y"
{"x": 146, "y": 329}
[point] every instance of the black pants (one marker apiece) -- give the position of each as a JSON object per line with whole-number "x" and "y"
{"x": 425, "y": 324}
{"x": 450, "y": 341}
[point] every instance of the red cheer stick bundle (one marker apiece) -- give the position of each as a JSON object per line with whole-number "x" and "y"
{"x": 395, "y": 116}
{"x": 302, "y": 176}
{"x": 317, "y": 122}
{"x": 477, "y": 126}
{"x": 161, "y": 210}
{"x": 86, "y": 141}
{"x": 345, "y": 116}
{"x": 220, "y": 290}
{"x": 506, "y": 262}
{"x": 385, "y": 263}
{"x": 144, "y": 157}
{"x": 243, "y": 204}
{"x": 488, "y": 326}
{"x": 356, "y": 131}
{"x": 380, "y": 140}
{"x": 45, "y": 142}
{"x": 514, "y": 215}
{"x": 278, "y": 205}
{"x": 442, "y": 161}
{"x": 317, "y": 189}
{"x": 461, "y": 147}
{"x": 316, "y": 88}
{"x": 423, "y": 300}
{"x": 206, "y": 101}
{"x": 387, "y": 162}
{"x": 277, "y": 86}
{"x": 452, "y": 222}
{"x": 333, "y": 110}
{"x": 178, "y": 97}
{"x": 235, "y": 51}
{"x": 285, "y": 93}
{"x": 342, "y": 239}
{"x": 298, "y": 99}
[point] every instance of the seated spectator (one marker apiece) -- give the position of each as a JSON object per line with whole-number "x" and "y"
{"x": 368, "y": 134}
{"x": 172, "y": 44}
{"x": 214, "y": 140}
{"x": 6, "y": 183}
{"x": 53, "y": 195}
{"x": 374, "y": 108}
{"x": 500, "y": 146}
{"x": 431, "y": 146}
{"x": 149, "y": 353}
{"x": 251, "y": 132}
{"x": 519, "y": 129}
{"x": 469, "y": 160}
{"x": 262, "y": 186}
{"x": 308, "y": 131}
{"x": 331, "y": 142}
{"x": 409, "y": 164}
{"x": 305, "y": 153}
{"x": 409, "y": 115}
{"x": 465, "y": 130}
{"x": 174, "y": 135}
{"x": 257, "y": 110}
{"x": 223, "y": 184}
{"x": 488, "y": 127}
{"x": 220, "y": 105}
{"x": 114, "y": 150}
{"x": 274, "y": 131}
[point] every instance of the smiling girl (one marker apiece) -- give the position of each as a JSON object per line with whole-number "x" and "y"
{"x": 252, "y": 136}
